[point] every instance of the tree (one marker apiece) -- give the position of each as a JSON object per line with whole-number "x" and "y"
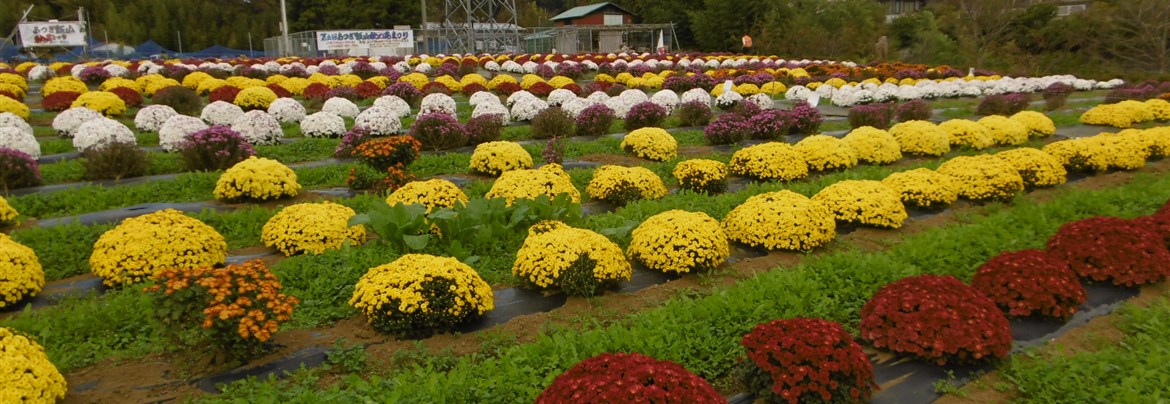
{"x": 1141, "y": 33}
{"x": 978, "y": 25}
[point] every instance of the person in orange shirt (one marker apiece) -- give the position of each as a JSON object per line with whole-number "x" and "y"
{"x": 747, "y": 44}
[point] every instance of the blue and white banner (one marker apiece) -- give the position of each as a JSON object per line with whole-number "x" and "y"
{"x": 386, "y": 38}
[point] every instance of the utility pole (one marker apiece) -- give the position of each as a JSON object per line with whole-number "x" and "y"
{"x": 423, "y": 37}
{"x": 284, "y": 28}
{"x": 85, "y": 32}
{"x": 180, "y": 35}
{"x": 15, "y": 30}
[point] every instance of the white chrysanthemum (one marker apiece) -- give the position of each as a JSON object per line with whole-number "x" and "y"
{"x": 574, "y": 106}
{"x": 221, "y": 113}
{"x": 151, "y": 118}
{"x": 116, "y": 70}
{"x": 696, "y": 94}
{"x": 491, "y": 66}
{"x": 40, "y": 73}
{"x": 527, "y": 108}
{"x": 620, "y": 106}
{"x": 287, "y": 110}
{"x": 399, "y": 106}
{"x": 598, "y": 97}
{"x": 342, "y": 107}
{"x": 8, "y": 119}
{"x": 635, "y": 96}
{"x": 380, "y": 121}
{"x": 15, "y": 138}
{"x": 101, "y": 131}
{"x": 517, "y": 96}
{"x": 323, "y": 124}
{"x": 437, "y": 102}
{"x": 559, "y": 96}
{"x": 489, "y": 108}
{"x": 727, "y": 99}
{"x": 762, "y": 100}
{"x": 481, "y": 97}
{"x": 75, "y": 71}
{"x": 511, "y": 67}
{"x": 177, "y": 129}
{"x": 424, "y": 68}
{"x": 666, "y": 99}
{"x": 529, "y": 67}
{"x": 797, "y": 93}
{"x": 67, "y": 121}
{"x": 909, "y": 93}
{"x": 258, "y": 128}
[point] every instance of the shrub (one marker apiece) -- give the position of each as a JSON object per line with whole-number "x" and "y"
{"x": 182, "y": 99}
{"x": 15, "y": 107}
{"x": 214, "y": 148}
{"x": 1038, "y": 124}
{"x": 694, "y": 114}
{"x": 679, "y": 241}
{"x": 438, "y": 131}
{"x": 317, "y": 91}
{"x": 8, "y": 214}
{"x": 1124, "y": 252}
{"x": 405, "y": 91}
{"x": 152, "y": 118}
{"x": 552, "y": 121}
{"x": 805, "y": 360}
{"x": 983, "y": 177}
{"x": 1003, "y": 104}
{"x": 495, "y": 158}
{"x": 578, "y": 261}
{"x": 914, "y": 110}
{"x": 224, "y": 93}
{"x": 765, "y": 124}
{"x": 921, "y": 138}
{"x": 645, "y": 114}
{"x": 343, "y": 92}
{"x": 968, "y": 133}
{"x": 29, "y": 375}
{"x": 385, "y": 152}
{"x": 826, "y": 153}
{"x": 702, "y": 176}
{"x": 549, "y": 179}
{"x": 432, "y": 193}
{"x": 594, "y": 120}
{"x": 632, "y": 377}
{"x": 252, "y": 98}
{"x": 1056, "y": 94}
{"x": 107, "y": 103}
{"x": 862, "y": 202}
{"x": 873, "y": 146}
{"x": 419, "y": 294}
{"x": 114, "y": 161}
{"x": 312, "y": 228}
{"x": 59, "y": 101}
{"x": 620, "y": 185}
{"x": 364, "y": 177}
{"x": 806, "y": 119}
{"x": 650, "y": 143}
{"x": 1004, "y": 130}
{"x": 924, "y": 188}
{"x": 237, "y": 308}
{"x": 143, "y": 246}
{"x": 782, "y": 220}
{"x": 18, "y": 170}
{"x": 484, "y": 128}
{"x": 101, "y": 131}
{"x": 256, "y": 179}
{"x": 17, "y": 138}
{"x": 21, "y": 275}
{"x": 936, "y": 318}
{"x": 1030, "y": 282}
{"x": 727, "y": 129}
{"x": 769, "y": 161}
{"x": 1037, "y": 168}
{"x": 872, "y": 115}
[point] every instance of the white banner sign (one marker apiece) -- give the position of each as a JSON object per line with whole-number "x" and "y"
{"x": 51, "y": 34}
{"x": 386, "y": 38}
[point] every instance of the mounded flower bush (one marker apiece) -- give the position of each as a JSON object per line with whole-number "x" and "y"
{"x": 420, "y": 294}
{"x": 152, "y": 117}
{"x": 106, "y": 103}
{"x": 257, "y": 178}
{"x": 968, "y": 133}
{"x": 782, "y": 220}
{"x": 826, "y": 153}
{"x": 549, "y": 179}
{"x": 8, "y": 214}
{"x": 679, "y": 241}
{"x": 312, "y": 228}
{"x": 432, "y": 193}
{"x": 253, "y": 98}
{"x": 323, "y": 124}
{"x": 236, "y": 309}
{"x": 100, "y": 132}
{"x": 984, "y": 177}
{"x": 869, "y": 203}
{"x": 17, "y": 139}
{"x": 142, "y": 246}
{"x": 628, "y": 378}
{"x": 18, "y": 169}
{"x": 258, "y": 127}
{"x": 650, "y": 143}
{"x": 1109, "y": 249}
{"x": 1038, "y": 124}
{"x": 936, "y": 318}
{"x": 21, "y": 275}
{"x": 1030, "y": 282}
{"x": 496, "y": 158}
{"x": 924, "y": 188}
{"x": 1037, "y": 168}
{"x": 1004, "y": 130}
{"x": 806, "y": 360}
{"x": 382, "y": 153}
{"x": 702, "y": 176}
{"x": 873, "y": 145}
{"x": 578, "y": 261}
{"x": 921, "y": 138}
{"x": 26, "y": 374}
{"x": 769, "y": 161}
{"x": 621, "y": 185}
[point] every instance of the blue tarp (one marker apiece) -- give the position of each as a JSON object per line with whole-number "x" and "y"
{"x": 220, "y": 52}
{"x": 149, "y": 48}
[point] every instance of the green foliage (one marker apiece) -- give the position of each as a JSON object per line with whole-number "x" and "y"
{"x": 310, "y": 149}
{"x": 347, "y": 356}
{"x": 114, "y": 161}
{"x": 63, "y": 250}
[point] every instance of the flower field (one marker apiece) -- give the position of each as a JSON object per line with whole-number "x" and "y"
{"x": 512, "y": 228}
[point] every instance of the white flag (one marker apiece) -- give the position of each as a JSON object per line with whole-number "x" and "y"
{"x": 661, "y": 43}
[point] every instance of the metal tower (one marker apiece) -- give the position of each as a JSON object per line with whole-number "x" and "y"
{"x": 479, "y": 26}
